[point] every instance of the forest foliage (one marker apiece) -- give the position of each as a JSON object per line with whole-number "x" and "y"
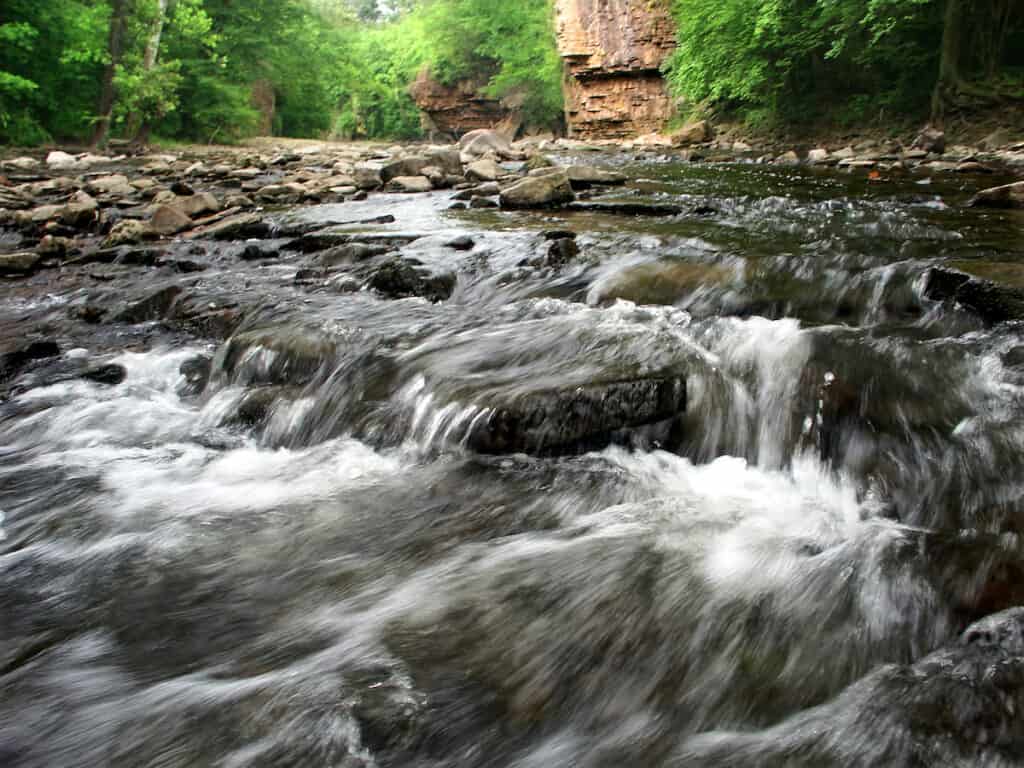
{"x": 850, "y": 61}
{"x": 334, "y": 67}
{"x": 75, "y": 70}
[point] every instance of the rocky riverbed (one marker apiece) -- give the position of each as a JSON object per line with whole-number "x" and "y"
{"x": 529, "y": 454}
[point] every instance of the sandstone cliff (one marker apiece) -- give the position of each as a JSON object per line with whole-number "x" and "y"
{"x": 613, "y": 51}
{"x": 459, "y": 108}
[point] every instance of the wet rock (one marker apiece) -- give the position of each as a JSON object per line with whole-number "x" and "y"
{"x": 239, "y": 201}
{"x": 411, "y": 184}
{"x": 256, "y": 406}
{"x": 586, "y": 176}
{"x": 115, "y": 185}
{"x": 19, "y": 264}
{"x": 991, "y": 301}
{"x": 398, "y": 279}
{"x": 352, "y": 253}
{"x": 489, "y": 189}
{"x": 239, "y": 227}
{"x": 931, "y": 140}
{"x": 153, "y": 307}
{"x": 789, "y": 158}
{"x": 447, "y": 160}
{"x": 483, "y": 141}
{"x": 461, "y": 243}
{"x": 80, "y": 212}
{"x": 691, "y": 133}
{"x": 819, "y": 156}
{"x": 1006, "y": 196}
{"x": 577, "y": 419}
{"x": 198, "y": 205}
{"x": 558, "y": 234}
{"x": 437, "y": 178}
{"x": 482, "y": 202}
{"x": 484, "y": 170}
{"x": 205, "y": 316}
{"x": 561, "y": 252}
{"x": 62, "y": 161}
{"x": 126, "y": 233}
{"x": 281, "y": 194}
{"x": 661, "y": 282}
{"x": 52, "y": 247}
{"x": 89, "y": 313}
{"x": 184, "y": 266}
{"x": 538, "y": 192}
{"x": 367, "y": 176}
{"x": 539, "y": 161}
{"x": 15, "y": 358}
{"x": 22, "y": 163}
{"x": 277, "y": 356}
{"x": 253, "y": 252}
{"x": 111, "y": 374}
{"x": 409, "y": 166}
{"x": 195, "y": 373}
{"x": 169, "y": 220}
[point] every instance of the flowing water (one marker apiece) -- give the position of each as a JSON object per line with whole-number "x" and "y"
{"x": 781, "y": 577}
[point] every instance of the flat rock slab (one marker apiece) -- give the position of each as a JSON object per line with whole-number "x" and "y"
{"x": 574, "y": 420}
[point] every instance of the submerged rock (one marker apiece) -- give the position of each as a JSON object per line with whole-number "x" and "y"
{"x": 398, "y": 279}
{"x": 577, "y": 419}
{"x": 283, "y": 355}
{"x": 964, "y": 700}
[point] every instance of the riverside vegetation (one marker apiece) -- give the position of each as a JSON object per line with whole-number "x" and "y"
{"x": 72, "y": 70}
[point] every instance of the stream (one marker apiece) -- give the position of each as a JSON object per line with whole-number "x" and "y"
{"x": 725, "y": 487}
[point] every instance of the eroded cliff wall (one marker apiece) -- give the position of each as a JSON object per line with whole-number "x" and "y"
{"x": 613, "y": 51}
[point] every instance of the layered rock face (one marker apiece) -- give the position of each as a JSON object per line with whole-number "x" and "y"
{"x": 456, "y": 109}
{"x": 613, "y": 50}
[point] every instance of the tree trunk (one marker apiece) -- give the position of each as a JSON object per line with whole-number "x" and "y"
{"x": 118, "y": 23}
{"x": 140, "y": 125}
{"x": 950, "y": 78}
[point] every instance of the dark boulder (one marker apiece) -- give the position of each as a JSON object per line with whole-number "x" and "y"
{"x": 111, "y": 374}
{"x": 196, "y": 373}
{"x": 561, "y": 252}
{"x": 1006, "y": 196}
{"x": 577, "y": 419}
{"x": 461, "y": 243}
{"x": 399, "y": 279}
{"x": 152, "y": 307}
{"x": 991, "y": 301}
{"x": 16, "y": 358}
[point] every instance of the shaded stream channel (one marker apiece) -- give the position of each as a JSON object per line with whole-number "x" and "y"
{"x": 740, "y": 486}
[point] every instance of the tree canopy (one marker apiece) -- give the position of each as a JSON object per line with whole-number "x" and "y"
{"x": 218, "y": 70}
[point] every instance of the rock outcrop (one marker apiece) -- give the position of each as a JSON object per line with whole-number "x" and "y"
{"x": 613, "y": 51}
{"x": 458, "y": 108}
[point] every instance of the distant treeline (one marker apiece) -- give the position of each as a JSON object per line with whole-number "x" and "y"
{"x": 198, "y": 70}
{"x": 848, "y": 60}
